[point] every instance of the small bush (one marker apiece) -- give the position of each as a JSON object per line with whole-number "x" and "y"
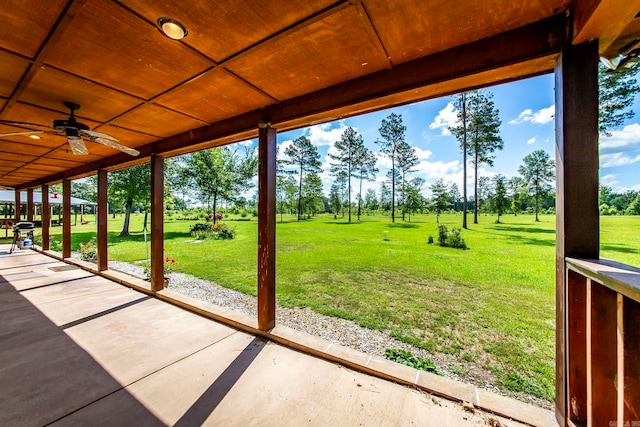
{"x": 430, "y": 241}
{"x": 200, "y": 230}
{"x": 89, "y": 250}
{"x": 450, "y": 238}
{"x": 406, "y": 358}
{"x": 221, "y": 231}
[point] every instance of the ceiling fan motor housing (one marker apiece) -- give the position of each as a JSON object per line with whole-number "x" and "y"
{"x": 70, "y": 123}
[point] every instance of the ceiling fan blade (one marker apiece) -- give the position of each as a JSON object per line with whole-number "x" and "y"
{"x": 77, "y": 145}
{"x": 31, "y": 132}
{"x": 113, "y": 144}
{"x": 13, "y": 123}
{"x": 93, "y": 134}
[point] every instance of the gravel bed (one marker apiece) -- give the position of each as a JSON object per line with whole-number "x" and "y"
{"x": 333, "y": 329}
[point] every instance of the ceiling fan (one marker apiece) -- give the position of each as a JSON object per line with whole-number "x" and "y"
{"x": 74, "y": 131}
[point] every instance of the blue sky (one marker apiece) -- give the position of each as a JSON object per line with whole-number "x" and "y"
{"x": 526, "y": 110}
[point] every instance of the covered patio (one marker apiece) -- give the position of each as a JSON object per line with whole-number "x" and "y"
{"x": 252, "y": 69}
{"x": 80, "y": 349}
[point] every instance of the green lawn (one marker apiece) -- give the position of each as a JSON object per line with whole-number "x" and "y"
{"x": 492, "y": 305}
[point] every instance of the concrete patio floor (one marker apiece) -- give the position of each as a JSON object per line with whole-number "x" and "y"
{"x": 79, "y": 349}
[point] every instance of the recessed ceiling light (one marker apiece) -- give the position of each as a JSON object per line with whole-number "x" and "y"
{"x": 34, "y": 136}
{"x": 172, "y": 28}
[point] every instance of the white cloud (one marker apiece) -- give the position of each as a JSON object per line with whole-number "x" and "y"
{"x": 627, "y": 189}
{"x": 422, "y": 154}
{"x": 609, "y": 180}
{"x": 322, "y": 134}
{"x": 446, "y": 118}
{"x": 540, "y": 117}
{"x": 532, "y": 140}
{"x": 617, "y": 159}
{"x": 627, "y": 139}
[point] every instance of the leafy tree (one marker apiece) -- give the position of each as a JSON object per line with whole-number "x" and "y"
{"x": 616, "y": 94}
{"x": 538, "y": 172}
{"x": 341, "y": 186}
{"x": 335, "y": 198}
{"x": 371, "y": 202}
{"x": 414, "y": 202}
{"x": 385, "y": 197}
{"x": 455, "y": 197}
{"x": 285, "y": 188}
{"x": 304, "y": 156}
{"x": 312, "y": 200}
{"x": 500, "y": 199}
{"x": 484, "y": 192}
{"x": 392, "y": 132}
{"x": 634, "y": 207}
{"x": 440, "y": 199}
{"x": 178, "y": 178}
{"x": 129, "y": 186}
{"x": 480, "y": 129}
{"x": 517, "y": 187}
{"x": 221, "y": 174}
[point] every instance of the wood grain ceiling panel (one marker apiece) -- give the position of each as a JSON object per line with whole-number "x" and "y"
{"x": 158, "y": 121}
{"x": 127, "y": 137}
{"x": 66, "y": 164}
{"x": 26, "y": 24}
{"x": 10, "y": 163}
{"x": 220, "y": 29}
{"x": 334, "y": 49}
{"x": 23, "y": 148}
{"x": 441, "y": 25}
{"x": 112, "y": 46}
{"x": 13, "y": 68}
{"x": 51, "y": 87}
{"x": 65, "y": 153}
{"x": 629, "y": 34}
{"x": 15, "y": 157}
{"x": 39, "y": 167}
{"x": 41, "y": 116}
{"x": 214, "y": 96}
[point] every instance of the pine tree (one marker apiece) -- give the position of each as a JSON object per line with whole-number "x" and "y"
{"x": 616, "y": 94}
{"x": 500, "y": 199}
{"x": 480, "y": 132}
{"x": 304, "y": 156}
{"x": 365, "y": 170}
{"x": 406, "y": 160}
{"x": 392, "y": 132}
{"x": 538, "y": 172}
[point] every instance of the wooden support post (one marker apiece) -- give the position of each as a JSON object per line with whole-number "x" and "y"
{"x": 631, "y": 360}
{"x": 157, "y": 222}
{"x": 101, "y": 219}
{"x": 66, "y": 218}
{"x": 30, "y": 204}
{"x": 602, "y": 355}
{"x": 266, "y": 228}
{"x": 17, "y": 209}
{"x": 577, "y": 346}
{"x": 45, "y": 216}
{"x": 577, "y": 226}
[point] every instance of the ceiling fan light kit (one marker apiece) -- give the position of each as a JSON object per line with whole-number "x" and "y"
{"x": 74, "y": 131}
{"x": 172, "y": 28}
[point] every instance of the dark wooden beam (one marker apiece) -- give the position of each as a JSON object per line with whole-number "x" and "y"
{"x": 372, "y": 92}
{"x": 66, "y": 218}
{"x": 18, "y": 203}
{"x": 157, "y": 222}
{"x": 602, "y": 19}
{"x": 45, "y": 210}
{"x": 267, "y": 228}
{"x": 30, "y": 204}
{"x": 577, "y": 226}
{"x": 101, "y": 219}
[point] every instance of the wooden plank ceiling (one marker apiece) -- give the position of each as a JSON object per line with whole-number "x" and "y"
{"x": 290, "y": 63}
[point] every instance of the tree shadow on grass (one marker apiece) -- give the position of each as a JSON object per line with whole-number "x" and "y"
{"x": 403, "y": 225}
{"x": 620, "y": 248}
{"x": 524, "y": 229}
{"x": 517, "y": 239}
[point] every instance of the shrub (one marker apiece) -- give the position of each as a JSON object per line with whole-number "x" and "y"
{"x": 406, "y": 358}
{"x": 451, "y": 239}
{"x": 221, "y": 231}
{"x": 89, "y": 250}
{"x": 430, "y": 241}
{"x": 200, "y": 230}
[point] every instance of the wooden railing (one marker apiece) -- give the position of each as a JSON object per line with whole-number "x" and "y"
{"x": 603, "y": 343}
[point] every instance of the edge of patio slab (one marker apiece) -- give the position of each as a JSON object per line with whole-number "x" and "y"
{"x": 373, "y": 365}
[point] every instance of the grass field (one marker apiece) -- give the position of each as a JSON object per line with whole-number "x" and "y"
{"x": 492, "y": 305}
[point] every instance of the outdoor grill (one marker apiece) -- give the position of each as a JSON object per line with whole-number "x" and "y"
{"x": 19, "y": 230}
